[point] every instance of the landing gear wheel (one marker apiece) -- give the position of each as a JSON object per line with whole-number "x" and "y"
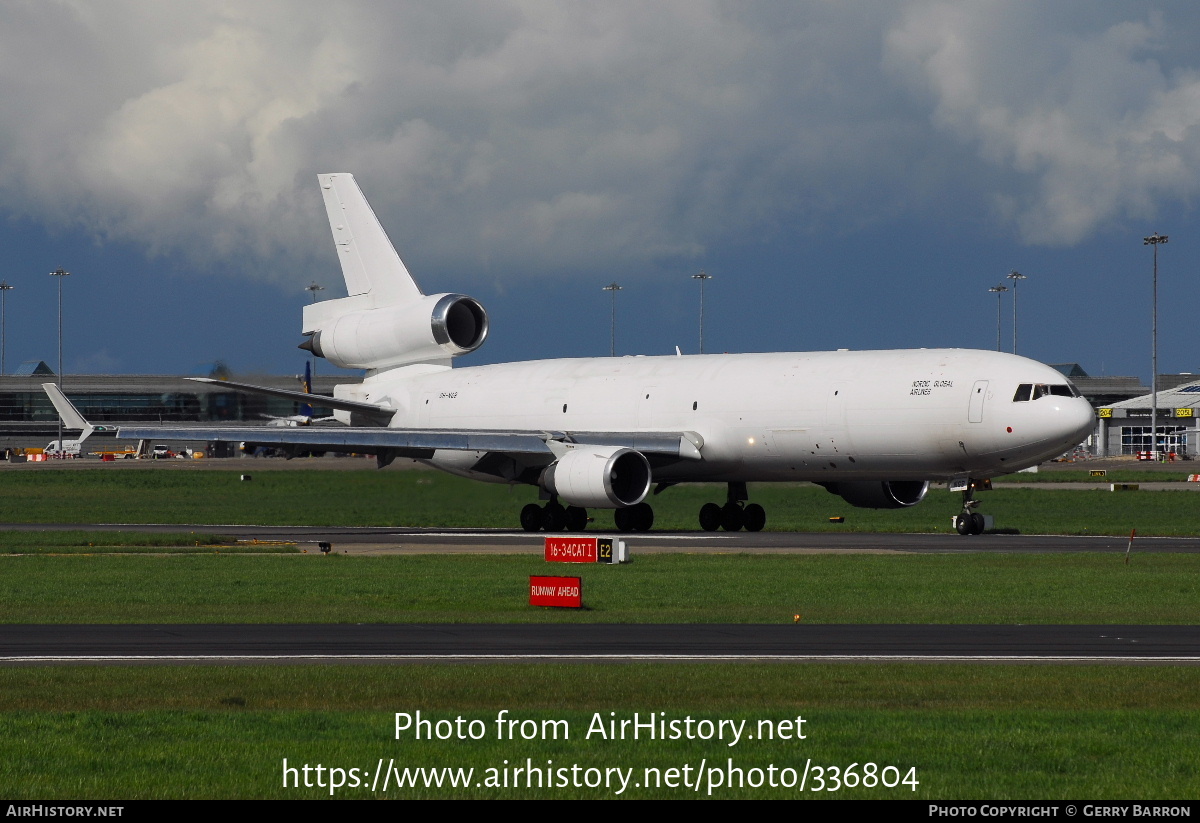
{"x": 554, "y": 517}
{"x": 755, "y": 517}
{"x": 732, "y": 517}
{"x": 970, "y": 521}
{"x": 624, "y": 519}
{"x": 531, "y": 517}
{"x": 643, "y": 517}
{"x": 576, "y": 519}
{"x": 710, "y": 517}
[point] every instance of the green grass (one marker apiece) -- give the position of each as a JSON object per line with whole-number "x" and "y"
{"x": 120, "y": 542}
{"x": 990, "y": 733}
{"x": 986, "y": 732}
{"x": 667, "y": 588}
{"x": 433, "y": 499}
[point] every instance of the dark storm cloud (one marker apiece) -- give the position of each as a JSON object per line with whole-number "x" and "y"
{"x": 508, "y": 138}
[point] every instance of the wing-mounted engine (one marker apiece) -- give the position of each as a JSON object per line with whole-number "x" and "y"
{"x": 603, "y": 477}
{"x": 430, "y": 328}
{"x": 880, "y": 494}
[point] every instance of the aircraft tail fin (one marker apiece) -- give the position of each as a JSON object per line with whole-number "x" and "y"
{"x": 70, "y": 415}
{"x": 385, "y": 321}
{"x": 370, "y": 264}
{"x": 306, "y": 409}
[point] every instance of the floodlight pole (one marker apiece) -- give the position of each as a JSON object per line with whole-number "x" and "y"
{"x": 5, "y": 288}
{"x": 59, "y": 274}
{"x": 1016, "y": 277}
{"x": 1154, "y": 240}
{"x": 703, "y": 278}
{"x": 613, "y": 288}
{"x": 998, "y": 290}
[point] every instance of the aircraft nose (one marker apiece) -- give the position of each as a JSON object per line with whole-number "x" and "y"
{"x": 1075, "y": 420}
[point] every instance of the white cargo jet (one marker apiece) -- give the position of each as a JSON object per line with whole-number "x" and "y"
{"x": 875, "y": 427}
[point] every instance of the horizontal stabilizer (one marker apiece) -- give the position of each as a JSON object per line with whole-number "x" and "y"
{"x": 381, "y": 413}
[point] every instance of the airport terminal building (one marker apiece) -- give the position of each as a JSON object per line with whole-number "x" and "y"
{"x": 1125, "y": 428}
{"x": 1123, "y": 413}
{"x": 28, "y": 419}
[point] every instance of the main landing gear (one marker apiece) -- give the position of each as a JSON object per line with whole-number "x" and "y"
{"x": 735, "y": 514}
{"x": 637, "y": 518}
{"x": 969, "y": 521}
{"x": 553, "y": 517}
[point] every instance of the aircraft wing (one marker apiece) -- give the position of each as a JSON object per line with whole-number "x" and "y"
{"x": 381, "y": 413}
{"x": 359, "y": 439}
{"x": 422, "y": 443}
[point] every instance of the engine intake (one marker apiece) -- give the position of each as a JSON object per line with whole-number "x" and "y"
{"x": 430, "y": 328}
{"x": 880, "y": 494}
{"x": 603, "y": 477}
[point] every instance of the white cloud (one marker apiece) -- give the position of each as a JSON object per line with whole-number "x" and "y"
{"x": 1093, "y": 126}
{"x": 509, "y": 137}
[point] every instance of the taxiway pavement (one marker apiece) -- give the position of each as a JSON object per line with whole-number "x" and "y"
{"x": 601, "y": 643}
{"x": 392, "y": 540}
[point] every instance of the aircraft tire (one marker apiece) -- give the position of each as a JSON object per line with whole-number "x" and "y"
{"x": 977, "y": 523}
{"x": 962, "y": 524}
{"x": 643, "y": 517}
{"x": 732, "y": 517}
{"x": 755, "y": 517}
{"x": 531, "y": 517}
{"x": 576, "y": 518}
{"x": 624, "y": 519}
{"x": 710, "y": 517}
{"x": 554, "y": 517}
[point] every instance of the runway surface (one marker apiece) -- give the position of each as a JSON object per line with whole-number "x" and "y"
{"x": 493, "y": 643}
{"x": 392, "y": 540}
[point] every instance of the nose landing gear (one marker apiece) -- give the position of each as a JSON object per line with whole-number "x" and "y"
{"x": 971, "y": 521}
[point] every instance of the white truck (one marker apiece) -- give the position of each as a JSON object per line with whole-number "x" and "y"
{"x": 70, "y": 448}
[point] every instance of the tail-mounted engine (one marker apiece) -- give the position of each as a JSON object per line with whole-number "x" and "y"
{"x": 602, "y": 477}
{"x": 880, "y": 494}
{"x": 433, "y": 327}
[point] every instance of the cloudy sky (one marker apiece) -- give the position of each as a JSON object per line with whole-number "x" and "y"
{"x": 853, "y": 175}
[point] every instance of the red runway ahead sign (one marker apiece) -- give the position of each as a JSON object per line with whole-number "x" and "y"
{"x": 579, "y": 549}
{"x": 556, "y": 591}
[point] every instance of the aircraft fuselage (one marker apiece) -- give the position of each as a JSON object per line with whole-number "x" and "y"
{"x": 924, "y": 414}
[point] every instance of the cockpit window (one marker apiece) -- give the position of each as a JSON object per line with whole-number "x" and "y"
{"x": 1033, "y": 391}
{"x": 1063, "y": 391}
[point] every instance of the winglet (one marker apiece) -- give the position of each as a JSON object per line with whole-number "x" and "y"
{"x": 70, "y": 415}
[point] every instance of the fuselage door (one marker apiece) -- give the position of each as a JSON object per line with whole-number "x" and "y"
{"x": 978, "y": 395}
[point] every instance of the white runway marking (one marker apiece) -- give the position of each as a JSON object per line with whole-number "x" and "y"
{"x": 601, "y": 658}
